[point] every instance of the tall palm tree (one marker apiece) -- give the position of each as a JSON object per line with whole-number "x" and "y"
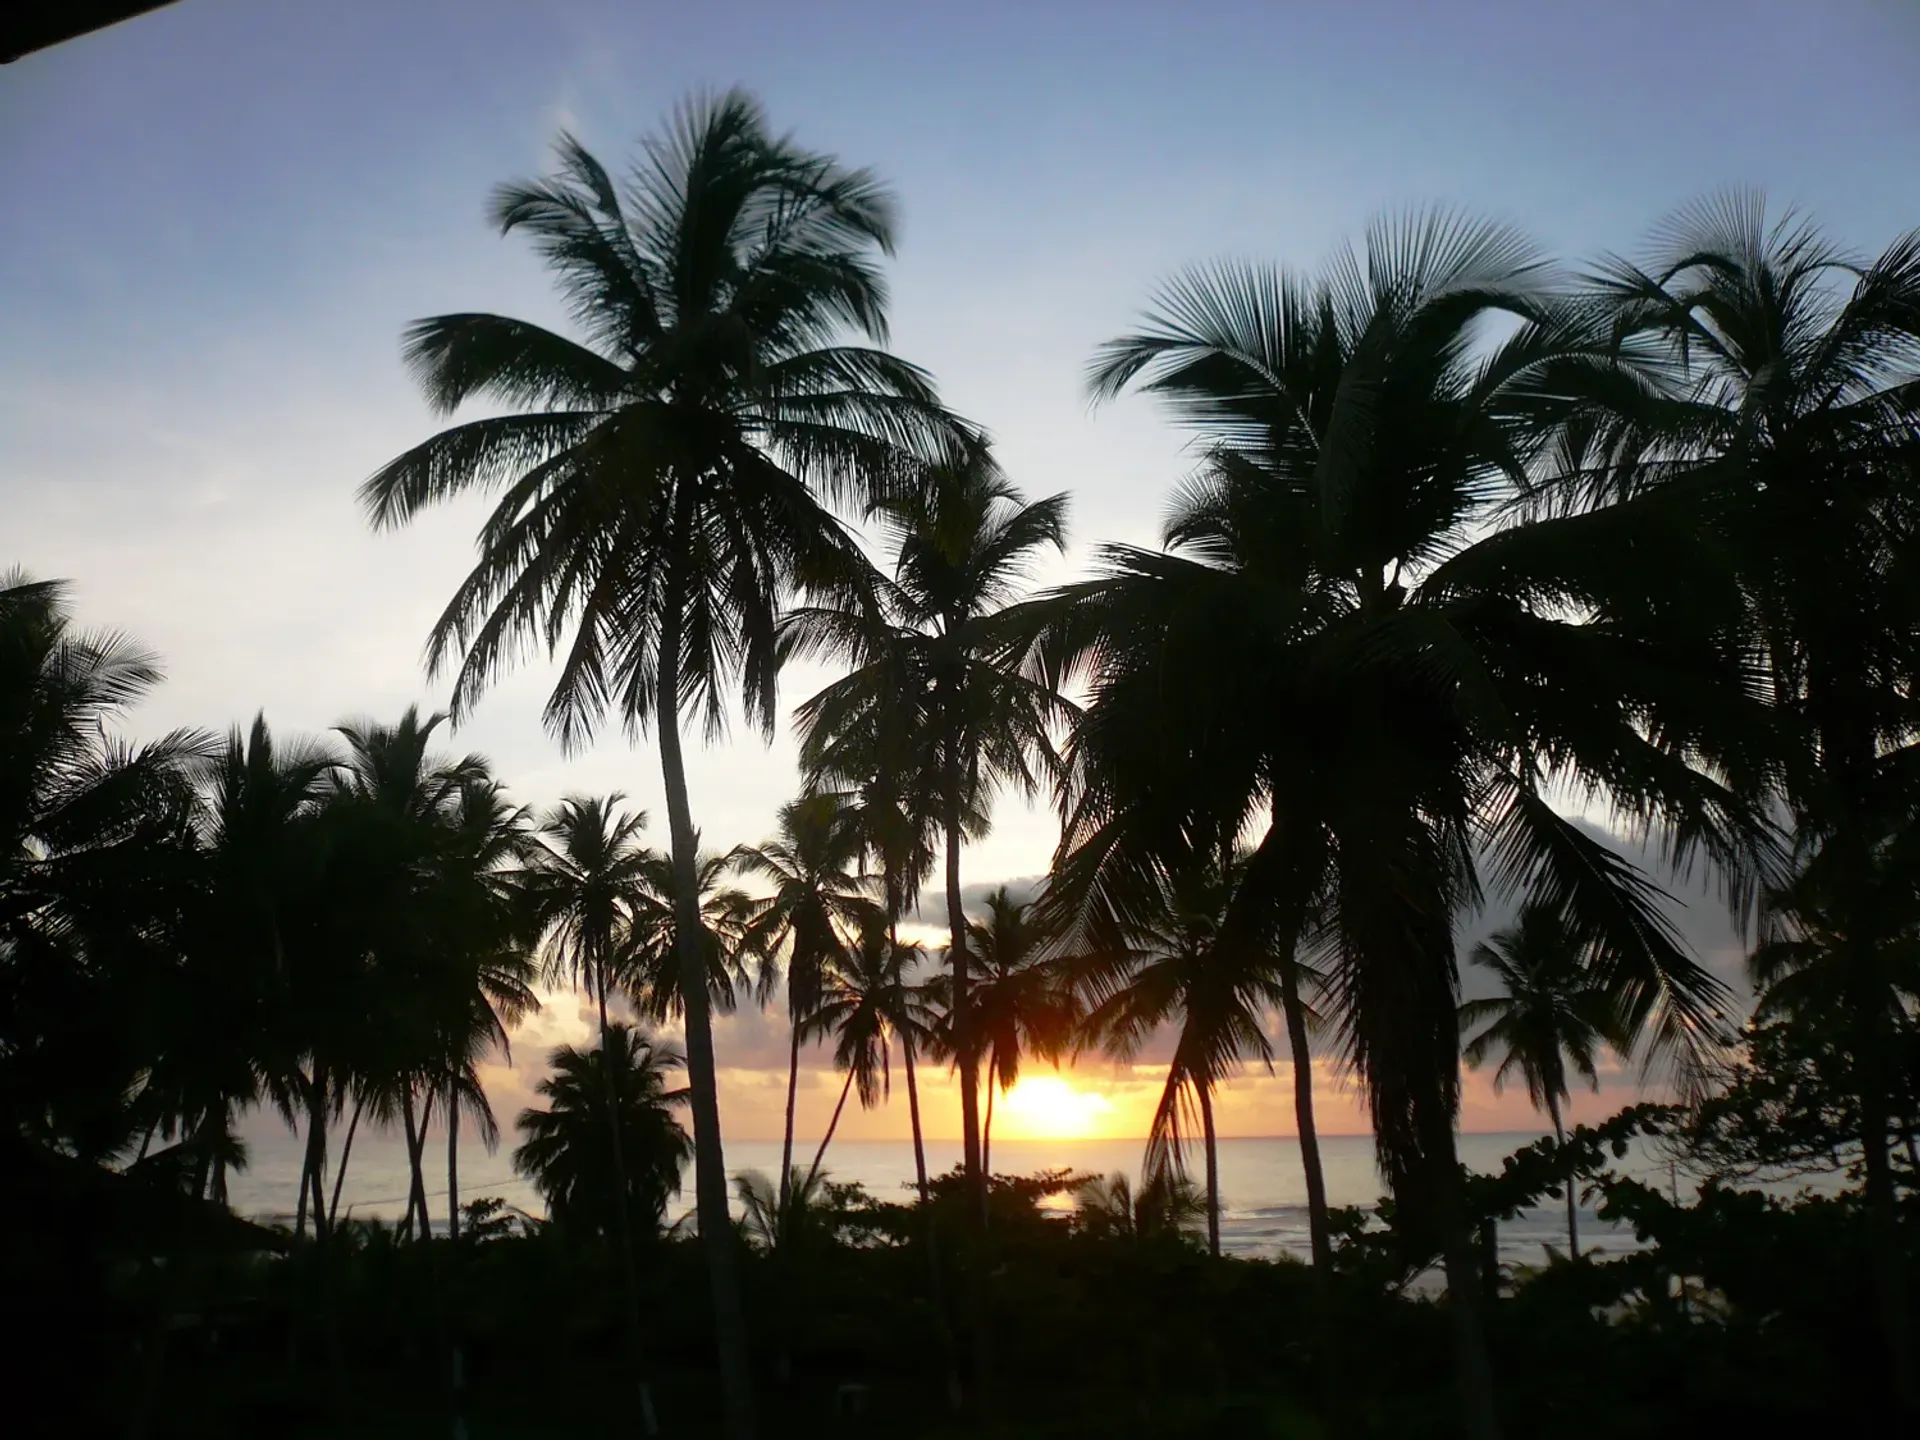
{"x": 863, "y": 991}
{"x": 92, "y": 834}
{"x": 818, "y": 896}
{"x": 665, "y": 478}
{"x": 735, "y": 965}
{"x": 1774, "y": 417}
{"x": 394, "y": 820}
{"x": 1337, "y": 647}
{"x": 1171, "y": 970}
{"x": 268, "y": 924}
{"x": 587, "y": 883}
{"x": 1551, "y": 1016}
{"x": 1021, "y": 1004}
{"x": 490, "y": 935}
{"x": 619, "y": 1088}
{"x": 929, "y": 651}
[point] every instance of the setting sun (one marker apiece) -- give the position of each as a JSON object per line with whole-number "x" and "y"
{"x": 1047, "y": 1107}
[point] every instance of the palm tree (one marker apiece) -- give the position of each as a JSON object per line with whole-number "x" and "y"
{"x": 1552, "y": 1015}
{"x": 1021, "y": 1004}
{"x": 1170, "y": 969}
{"x": 1337, "y": 647}
{"x": 664, "y": 479}
{"x": 1166, "y": 1205}
{"x": 93, "y": 836}
{"x": 492, "y": 931}
{"x": 587, "y": 883}
{"x": 1774, "y": 418}
{"x": 929, "y": 650}
{"x": 619, "y": 1088}
{"x": 266, "y": 926}
{"x": 817, "y": 898}
{"x": 647, "y": 966}
{"x": 863, "y": 991}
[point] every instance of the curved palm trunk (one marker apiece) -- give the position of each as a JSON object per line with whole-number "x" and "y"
{"x": 793, "y": 1085}
{"x": 962, "y": 1020}
{"x": 1466, "y": 1301}
{"x": 1573, "y": 1204}
{"x": 986, "y": 1128}
{"x": 709, "y": 1158}
{"x": 416, "y": 1156}
{"x": 453, "y": 1163}
{"x": 1319, "y": 1229}
{"x": 827, "y": 1139}
{"x": 1205, "y": 1089}
{"x": 346, "y": 1150}
{"x": 629, "y": 1272}
{"x": 913, "y": 1116}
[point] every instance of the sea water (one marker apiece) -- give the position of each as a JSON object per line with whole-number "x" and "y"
{"x": 1263, "y": 1198}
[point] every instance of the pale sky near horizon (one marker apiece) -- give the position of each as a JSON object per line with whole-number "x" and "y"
{"x": 220, "y": 216}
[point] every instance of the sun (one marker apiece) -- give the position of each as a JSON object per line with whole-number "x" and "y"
{"x": 1047, "y": 1107}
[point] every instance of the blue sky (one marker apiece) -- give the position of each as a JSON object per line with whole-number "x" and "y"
{"x": 220, "y": 216}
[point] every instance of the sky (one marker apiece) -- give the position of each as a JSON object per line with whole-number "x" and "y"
{"x": 220, "y": 216}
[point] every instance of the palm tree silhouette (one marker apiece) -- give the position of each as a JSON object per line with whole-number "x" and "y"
{"x": 1169, "y": 969}
{"x": 664, "y": 480}
{"x": 1551, "y": 1016}
{"x": 587, "y": 883}
{"x": 863, "y": 994}
{"x": 1336, "y": 646}
{"x": 1021, "y": 1004}
{"x": 931, "y": 673}
{"x": 619, "y": 1088}
{"x": 817, "y": 898}
{"x": 1773, "y": 421}
{"x": 94, "y": 834}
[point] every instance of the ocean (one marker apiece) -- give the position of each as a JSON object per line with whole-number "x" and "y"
{"x": 1263, "y": 1194}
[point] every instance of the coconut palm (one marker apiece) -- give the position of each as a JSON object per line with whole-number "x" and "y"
{"x": 1021, "y": 1004}
{"x": 490, "y": 933}
{"x": 931, "y": 678}
{"x": 818, "y": 897}
{"x": 736, "y": 967}
{"x": 863, "y": 991}
{"x": 1551, "y": 1016}
{"x": 1774, "y": 415}
{"x": 1170, "y": 971}
{"x": 619, "y": 1088}
{"x": 93, "y": 833}
{"x": 1338, "y": 649}
{"x": 665, "y": 476}
{"x": 1167, "y": 1205}
{"x": 587, "y": 882}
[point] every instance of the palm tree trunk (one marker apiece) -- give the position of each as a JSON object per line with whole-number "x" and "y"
{"x": 346, "y": 1149}
{"x": 1205, "y": 1088}
{"x": 986, "y": 1129}
{"x": 316, "y": 1160}
{"x": 1466, "y": 1306}
{"x": 453, "y": 1164}
{"x": 709, "y": 1156}
{"x": 962, "y": 1018}
{"x": 1883, "y": 1235}
{"x": 1573, "y": 1204}
{"x": 827, "y": 1139}
{"x": 793, "y": 1086}
{"x": 623, "y": 1242}
{"x": 417, "y": 1160}
{"x": 1319, "y": 1230}
{"x": 913, "y": 1117}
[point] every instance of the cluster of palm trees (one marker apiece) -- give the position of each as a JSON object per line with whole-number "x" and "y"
{"x": 202, "y": 924}
{"x": 1471, "y": 541}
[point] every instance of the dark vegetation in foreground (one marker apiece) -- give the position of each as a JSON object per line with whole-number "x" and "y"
{"x": 1742, "y": 1312}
